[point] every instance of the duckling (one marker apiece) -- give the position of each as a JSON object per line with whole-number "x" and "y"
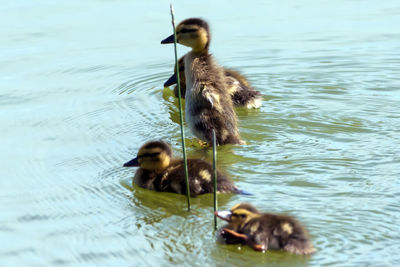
{"x": 159, "y": 171}
{"x": 263, "y": 231}
{"x": 240, "y": 90}
{"x": 208, "y": 104}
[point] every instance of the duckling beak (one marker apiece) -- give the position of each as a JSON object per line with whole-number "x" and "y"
{"x": 132, "y": 163}
{"x": 168, "y": 40}
{"x": 224, "y": 215}
{"x": 172, "y": 80}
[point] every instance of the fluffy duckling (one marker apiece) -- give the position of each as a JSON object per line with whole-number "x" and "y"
{"x": 263, "y": 231}
{"x": 159, "y": 171}
{"x": 239, "y": 88}
{"x": 208, "y": 104}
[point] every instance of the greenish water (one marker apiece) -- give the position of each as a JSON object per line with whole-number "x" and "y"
{"x": 81, "y": 90}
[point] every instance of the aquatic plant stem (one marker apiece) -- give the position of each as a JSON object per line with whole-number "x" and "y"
{"x": 180, "y": 111}
{"x": 215, "y": 177}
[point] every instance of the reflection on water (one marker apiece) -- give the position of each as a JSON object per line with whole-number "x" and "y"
{"x": 79, "y": 96}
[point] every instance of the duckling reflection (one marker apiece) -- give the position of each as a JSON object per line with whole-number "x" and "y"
{"x": 263, "y": 231}
{"x": 239, "y": 88}
{"x": 159, "y": 171}
{"x": 208, "y": 104}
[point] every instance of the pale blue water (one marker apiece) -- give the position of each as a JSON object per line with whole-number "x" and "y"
{"x": 81, "y": 90}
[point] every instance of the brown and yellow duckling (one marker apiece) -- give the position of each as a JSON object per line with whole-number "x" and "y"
{"x": 159, "y": 171}
{"x": 208, "y": 105}
{"x": 263, "y": 231}
{"x": 239, "y": 88}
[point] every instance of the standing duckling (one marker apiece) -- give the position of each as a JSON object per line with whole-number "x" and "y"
{"x": 263, "y": 231}
{"x": 208, "y": 105}
{"x": 239, "y": 88}
{"x": 159, "y": 171}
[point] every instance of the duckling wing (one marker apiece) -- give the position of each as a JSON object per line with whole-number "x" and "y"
{"x": 258, "y": 235}
{"x": 200, "y": 178}
{"x": 210, "y": 96}
{"x": 259, "y": 241}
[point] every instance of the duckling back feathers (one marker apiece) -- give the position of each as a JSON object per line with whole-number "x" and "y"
{"x": 159, "y": 171}
{"x": 237, "y": 86}
{"x": 264, "y": 231}
{"x": 278, "y": 232}
{"x": 172, "y": 179}
{"x": 208, "y": 105}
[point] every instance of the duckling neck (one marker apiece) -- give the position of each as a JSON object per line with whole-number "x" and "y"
{"x": 196, "y": 65}
{"x": 200, "y": 49}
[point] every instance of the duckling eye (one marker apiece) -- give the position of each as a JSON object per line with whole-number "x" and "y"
{"x": 150, "y": 155}
{"x": 242, "y": 215}
{"x": 187, "y": 30}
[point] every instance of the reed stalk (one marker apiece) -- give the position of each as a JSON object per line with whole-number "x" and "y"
{"x": 215, "y": 177}
{"x": 180, "y": 111}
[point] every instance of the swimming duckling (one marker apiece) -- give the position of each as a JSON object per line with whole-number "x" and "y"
{"x": 208, "y": 104}
{"x": 263, "y": 231}
{"x": 242, "y": 94}
{"x": 159, "y": 171}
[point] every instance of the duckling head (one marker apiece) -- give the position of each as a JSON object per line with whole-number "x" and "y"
{"x": 173, "y": 79}
{"x": 152, "y": 156}
{"x": 239, "y": 215}
{"x": 193, "y": 32}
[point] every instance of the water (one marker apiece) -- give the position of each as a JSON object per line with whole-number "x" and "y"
{"x": 81, "y": 90}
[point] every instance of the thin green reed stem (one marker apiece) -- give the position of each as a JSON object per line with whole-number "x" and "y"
{"x": 180, "y": 111}
{"x": 215, "y": 177}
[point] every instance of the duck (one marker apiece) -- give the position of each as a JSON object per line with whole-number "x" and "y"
{"x": 160, "y": 171}
{"x": 208, "y": 105}
{"x": 263, "y": 231}
{"x": 239, "y": 88}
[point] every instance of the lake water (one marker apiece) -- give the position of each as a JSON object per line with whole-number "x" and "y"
{"x": 81, "y": 90}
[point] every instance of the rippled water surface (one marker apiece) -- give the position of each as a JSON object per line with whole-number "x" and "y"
{"x": 81, "y": 90}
